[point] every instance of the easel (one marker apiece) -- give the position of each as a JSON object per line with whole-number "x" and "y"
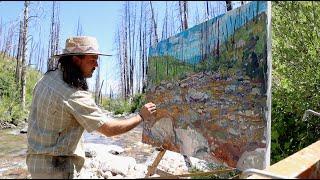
{"x": 165, "y": 175}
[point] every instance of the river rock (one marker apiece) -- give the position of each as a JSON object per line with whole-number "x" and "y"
{"x": 175, "y": 163}
{"x": 91, "y": 149}
{"x": 90, "y": 153}
{"x": 24, "y": 129}
{"x": 116, "y": 164}
{"x": 5, "y": 125}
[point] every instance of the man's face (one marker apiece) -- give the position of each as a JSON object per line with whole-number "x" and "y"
{"x": 87, "y": 64}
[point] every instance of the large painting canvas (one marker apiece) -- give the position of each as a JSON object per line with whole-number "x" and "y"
{"x": 211, "y": 85}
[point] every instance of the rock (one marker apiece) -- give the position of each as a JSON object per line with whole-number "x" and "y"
{"x": 176, "y": 99}
{"x": 169, "y": 86}
{"x": 163, "y": 129}
{"x": 252, "y": 159}
{"x": 155, "y": 175}
{"x": 114, "y": 149}
{"x": 230, "y": 89}
{"x": 116, "y": 164}
{"x": 176, "y": 163}
{"x": 139, "y": 171}
{"x": 118, "y": 176}
{"x": 6, "y": 125}
{"x": 184, "y": 85}
{"x": 90, "y": 153}
{"x": 196, "y": 96}
{"x": 107, "y": 175}
{"x": 160, "y": 88}
{"x": 163, "y": 83}
{"x": 240, "y": 78}
{"x": 234, "y": 131}
{"x": 255, "y": 91}
{"x": 92, "y": 149}
{"x": 88, "y": 174}
{"x": 191, "y": 142}
{"x": 249, "y": 113}
{"x": 24, "y": 130}
{"x": 153, "y": 89}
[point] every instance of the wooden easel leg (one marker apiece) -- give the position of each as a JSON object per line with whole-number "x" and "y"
{"x": 155, "y": 163}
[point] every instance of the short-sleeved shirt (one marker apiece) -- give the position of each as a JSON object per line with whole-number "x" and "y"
{"x": 59, "y": 114}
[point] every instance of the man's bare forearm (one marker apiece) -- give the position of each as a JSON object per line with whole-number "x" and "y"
{"x": 116, "y": 127}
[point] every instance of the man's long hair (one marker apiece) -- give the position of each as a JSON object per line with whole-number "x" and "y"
{"x": 72, "y": 74}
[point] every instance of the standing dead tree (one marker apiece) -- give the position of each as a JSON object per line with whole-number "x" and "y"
{"x": 54, "y": 36}
{"x": 183, "y": 9}
{"x": 1, "y": 32}
{"x": 8, "y": 40}
{"x": 97, "y": 84}
{"x": 154, "y": 22}
{"x": 24, "y": 53}
{"x": 127, "y": 49}
{"x": 229, "y": 5}
{"x": 79, "y": 28}
{"x": 19, "y": 55}
{"x": 121, "y": 46}
{"x": 144, "y": 44}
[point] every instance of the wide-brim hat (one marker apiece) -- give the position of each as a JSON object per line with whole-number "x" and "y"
{"x": 81, "y": 45}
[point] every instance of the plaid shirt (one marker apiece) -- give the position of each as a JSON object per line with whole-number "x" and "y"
{"x": 59, "y": 114}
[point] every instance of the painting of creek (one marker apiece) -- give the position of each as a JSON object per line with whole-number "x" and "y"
{"x": 211, "y": 87}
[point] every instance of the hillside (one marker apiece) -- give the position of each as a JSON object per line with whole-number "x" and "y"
{"x": 10, "y": 110}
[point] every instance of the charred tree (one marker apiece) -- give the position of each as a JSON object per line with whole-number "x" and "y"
{"x": 24, "y": 54}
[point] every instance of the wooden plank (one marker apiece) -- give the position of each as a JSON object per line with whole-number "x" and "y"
{"x": 195, "y": 174}
{"x": 155, "y": 163}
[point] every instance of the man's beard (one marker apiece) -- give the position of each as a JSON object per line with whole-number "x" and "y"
{"x": 90, "y": 75}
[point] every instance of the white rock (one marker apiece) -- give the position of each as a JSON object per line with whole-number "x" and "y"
{"x": 118, "y": 176}
{"x": 117, "y": 164}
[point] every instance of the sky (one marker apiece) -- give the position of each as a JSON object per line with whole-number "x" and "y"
{"x": 97, "y": 18}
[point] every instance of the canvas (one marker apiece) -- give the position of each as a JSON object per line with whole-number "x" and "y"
{"x": 211, "y": 84}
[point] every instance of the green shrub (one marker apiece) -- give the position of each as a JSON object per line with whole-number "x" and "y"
{"x": 122, "y": 106}
{"x": 10, "y": 109}
{"x": 296, "y": 76}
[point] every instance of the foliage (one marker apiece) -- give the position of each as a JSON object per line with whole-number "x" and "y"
{"x": 122, "y": 106}
{"x": 167, "y": 68}
{"x": 296, "y": 76}
{"x": 10, "y": 110}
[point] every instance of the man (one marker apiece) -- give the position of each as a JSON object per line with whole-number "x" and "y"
{"x": 62, "y": 108}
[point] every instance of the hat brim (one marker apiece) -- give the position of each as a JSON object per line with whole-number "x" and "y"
{"x": 70, "y": 54}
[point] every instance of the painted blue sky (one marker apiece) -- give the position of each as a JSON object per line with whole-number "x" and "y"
{"x": 185, "y": 46}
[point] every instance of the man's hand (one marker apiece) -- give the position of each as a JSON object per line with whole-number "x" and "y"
{"x": 147, "y": 110}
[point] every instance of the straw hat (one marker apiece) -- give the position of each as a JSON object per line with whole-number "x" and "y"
{"x": 81, "y": 45}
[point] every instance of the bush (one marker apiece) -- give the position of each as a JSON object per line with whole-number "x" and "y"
{"x": 10, "y": 109}
{"x": 296, "y": 76}
{"x": 122, "y": 106}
